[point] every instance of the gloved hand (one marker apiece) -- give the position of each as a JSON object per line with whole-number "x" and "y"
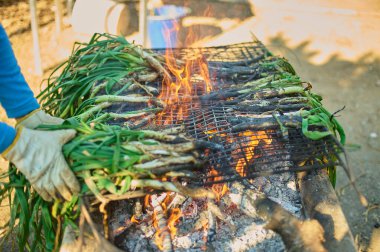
{"x": 38, "y": 155}
{"x": 36, "y": 118}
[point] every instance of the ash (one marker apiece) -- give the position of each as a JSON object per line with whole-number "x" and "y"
{"x": 228, "y": 224}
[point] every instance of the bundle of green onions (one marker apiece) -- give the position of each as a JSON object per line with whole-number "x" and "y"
{"x": 115, "y": 163}
{"x": 111, "y": 163}
{"x": 98, "y": 74}
{"x": 280, "y": 93}
{"x": 265, "y": 92}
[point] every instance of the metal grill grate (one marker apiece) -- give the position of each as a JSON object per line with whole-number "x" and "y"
{"x": 243, "y": 53}
{"x": 254, "y": 143}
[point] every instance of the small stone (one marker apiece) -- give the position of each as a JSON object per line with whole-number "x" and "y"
{"x": 292, "y": 185}
{"x": 378, "y": 83}
{"x": 373, "y": 135}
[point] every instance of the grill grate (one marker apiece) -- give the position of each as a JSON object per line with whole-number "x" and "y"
{"x": 253, "y": 142}
{"x": 241, "y": 54}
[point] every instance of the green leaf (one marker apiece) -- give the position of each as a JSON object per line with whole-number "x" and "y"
{"x": 126, "y": 185}
{"x": 105, "y": 183}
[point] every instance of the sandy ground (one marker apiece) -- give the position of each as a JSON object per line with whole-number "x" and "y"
{"x": 333, "y": 44}
{"x": 337, "y": 48}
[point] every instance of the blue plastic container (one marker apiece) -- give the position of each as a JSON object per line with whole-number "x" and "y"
{"x": 162, "y": 25}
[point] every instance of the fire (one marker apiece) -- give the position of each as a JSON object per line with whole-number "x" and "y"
{"x": 159, "y": 238}
{"x": 180, "y": 90}
{"x": 251, "y": 141}
{"x": 134, "y": 219}
{"x": 211, "y": 133}
{"x": 160, "y": 232}
{"x": 249, "y": 148}
{"x": 172, "y": 221}
{"x": 219, "y": 189}
{"x": 163, "y": 222}
{"x": 147, "y": 200}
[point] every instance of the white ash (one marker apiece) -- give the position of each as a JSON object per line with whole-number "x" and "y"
{"x": 241, "y": 230}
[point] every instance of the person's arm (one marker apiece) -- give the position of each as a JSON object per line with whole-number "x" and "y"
{"x": 7, "y": 135}
{"x": 37, "y": 154}
{"x": 15, "y": 95}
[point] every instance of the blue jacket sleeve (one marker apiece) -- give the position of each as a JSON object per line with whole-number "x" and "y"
{"x": 7, "y": 135}
{"x": 15, "y": 95}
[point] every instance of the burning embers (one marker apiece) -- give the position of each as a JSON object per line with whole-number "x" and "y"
{"x": 245, "y": 147}
{"x": 251, "y": 141}
{"x": 246, "y": 119}
{"x": 172, "y": 222}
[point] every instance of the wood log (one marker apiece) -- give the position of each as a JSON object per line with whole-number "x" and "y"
{"x": 321, "y": 203}
{"x": 302, "y": 236}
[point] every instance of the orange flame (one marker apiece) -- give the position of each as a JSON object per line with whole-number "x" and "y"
{"x": 147, "y": 200}
{"x": 159, "y": 235}
{"x": 134, "y": 219}
{"x": 159, "y": 239}
{"x": 180, "y": 90}
{"x": 218, "y": 189}
{"x": 172, "y": 221}
{"x": 249, "y": 148}
{"x": 252, "y": 141}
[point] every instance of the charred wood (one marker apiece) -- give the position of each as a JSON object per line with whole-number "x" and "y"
{"x": 298, "y": 236}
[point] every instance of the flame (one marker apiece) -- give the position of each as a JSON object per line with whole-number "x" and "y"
{"x": 219, "y": 189}
{"x": 147, "y": 200}
{"x": 180, "y": 90}
{"x": 175, "y": 215}
{"x": 159, "y": 239}
{"x": 172, "y": 221}
{"x": 251, "y": 141}
{"x": 249, "y": 148}
{"x": 159, "y": 235}
{"x": 212, "y": 132}
{"x": 135, "y": 220}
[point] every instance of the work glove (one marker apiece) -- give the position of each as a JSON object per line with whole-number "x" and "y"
{"x": 36, "y": 118}
{"x": 38, "y": 155}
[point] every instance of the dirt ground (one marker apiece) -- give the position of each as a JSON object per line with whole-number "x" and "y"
{"x": 333, "y": 44}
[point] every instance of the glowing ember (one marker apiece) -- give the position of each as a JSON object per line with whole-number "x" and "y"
{"x": 147, "y": 200}
{"x": 254, "y": 139}
{"x": 219, "y": 189}
{"x": 134, "y": 219}
{"x": 172, "y": 221}
{"x": 159, "y": 239}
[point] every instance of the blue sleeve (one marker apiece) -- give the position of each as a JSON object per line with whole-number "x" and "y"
{"x": 15, "y": 95}
{"x": 7, "y": 135}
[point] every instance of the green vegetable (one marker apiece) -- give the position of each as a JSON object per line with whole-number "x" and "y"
{"x": 109, "y": 161}
{"x": 107, "y": 65}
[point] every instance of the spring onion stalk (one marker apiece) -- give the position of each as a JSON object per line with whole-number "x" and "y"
{"x": 102, "y": 69}
{"x": 109, "y": 162}
{"x": 115, "y": 163}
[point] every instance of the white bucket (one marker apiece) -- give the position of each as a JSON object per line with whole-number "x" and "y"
{"x": 91, "y": 16}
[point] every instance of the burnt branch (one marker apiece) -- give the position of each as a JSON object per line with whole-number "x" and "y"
{"x": 298, "y": 236}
